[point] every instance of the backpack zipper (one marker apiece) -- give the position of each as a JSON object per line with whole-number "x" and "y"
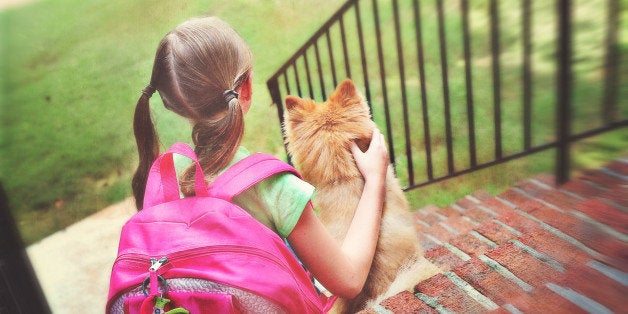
{"x": 144, "y": 259}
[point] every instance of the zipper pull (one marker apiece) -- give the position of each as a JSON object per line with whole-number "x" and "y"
{"x": 157, "y": 263}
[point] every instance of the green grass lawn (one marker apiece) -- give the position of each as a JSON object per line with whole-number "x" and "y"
{"x": 71, "y": 74}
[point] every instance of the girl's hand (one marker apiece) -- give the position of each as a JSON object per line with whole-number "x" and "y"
{"x": 343, "y": 269}
{"x": 374, "y": 162}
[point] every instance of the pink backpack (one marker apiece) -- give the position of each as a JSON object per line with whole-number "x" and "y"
{"x": 204, "y": 254}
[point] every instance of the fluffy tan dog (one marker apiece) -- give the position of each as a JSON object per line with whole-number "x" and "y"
{"x": 318, "y": 137}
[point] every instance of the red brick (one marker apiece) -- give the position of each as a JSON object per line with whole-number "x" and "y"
{"x": 406, "y": 302}
{"x": 552, "y": 196}
{"x": 530, "y": 205}
{"x": 605, "y": 214}
{"x": 449, "y": 212}
{"x": 558, "y": 249}
{"x": 482, "y": 195}
{"x": 428, "y": 209}
{"x": 448, "y": 295}
{"x": 431, "y": 219}
{"x": 589, "y": 282}
{"x": 478, "y": 214}
{"x": 460, "y": 224}
{"x": 488, "y": 282}
{"x": 531, "y": 188}
{"x": 495, "y": 232}
{"x": 588, "y": 234}
{"x": 547, "y": 179}
{"x": 581, "y": 188}
{"x": 500, "y": 310}
{"x": 513, "y": 197}
{"x": 601, "y": 178}
{"x": 618, "y": 167}
{"x": 523, "y": 265}
{"x": 470, "y": 245}
{"x": 608, "y": 186}
{"x": 518, "y": 222}
{"x": 618, "y": 194}
{"x": 559, "y": 199}
{"x": 498, "y": 207}
{"x": 466, "y": 203}
{"x": 439, "y": 232}
{"x": 443, "y": 258}
{"x": 544, "y": 300}
{"x": 419, "y": 224}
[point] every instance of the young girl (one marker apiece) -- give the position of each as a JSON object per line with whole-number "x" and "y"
{"x": 202, "y": 71}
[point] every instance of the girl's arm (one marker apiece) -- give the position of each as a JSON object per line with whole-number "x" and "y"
{"x": 343, "y": 268}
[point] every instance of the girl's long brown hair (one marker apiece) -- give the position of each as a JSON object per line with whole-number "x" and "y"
{"x": 194, "y": 64}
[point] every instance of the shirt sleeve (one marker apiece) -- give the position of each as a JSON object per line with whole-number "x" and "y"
{"x": 286, "y": 197}
{"x": 278, "y": 201}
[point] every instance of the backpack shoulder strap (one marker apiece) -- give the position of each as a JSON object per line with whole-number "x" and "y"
{"x": 246, "y": 173}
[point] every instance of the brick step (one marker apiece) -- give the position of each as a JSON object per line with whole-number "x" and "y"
{"x": 533, "y": 248}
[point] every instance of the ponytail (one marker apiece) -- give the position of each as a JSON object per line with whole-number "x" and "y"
{"x": 147, "y": 144}
{"x": 216, "y": 141}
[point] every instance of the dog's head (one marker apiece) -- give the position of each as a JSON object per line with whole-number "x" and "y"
{"x": 318, "y": 135}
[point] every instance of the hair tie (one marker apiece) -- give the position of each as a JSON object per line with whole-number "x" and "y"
{"x": 148, "y": 91}
{"x": 229, "y": 95}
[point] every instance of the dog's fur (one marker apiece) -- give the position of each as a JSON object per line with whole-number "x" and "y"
{"x": 318, "y": 137}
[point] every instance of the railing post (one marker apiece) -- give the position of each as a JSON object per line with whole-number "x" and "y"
{"x": 563, "y": 92}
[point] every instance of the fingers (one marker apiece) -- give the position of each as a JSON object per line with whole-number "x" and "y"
{"x": 378, "y": 143}
{"x": 355, "y": 150}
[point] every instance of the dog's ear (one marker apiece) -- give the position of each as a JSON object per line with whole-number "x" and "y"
{"x": 345, "y": 91}
{"x": 292, "y": 102}
{"x": 363, "y": 143}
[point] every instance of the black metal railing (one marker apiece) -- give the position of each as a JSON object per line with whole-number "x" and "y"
{"x": 462, "y": 85}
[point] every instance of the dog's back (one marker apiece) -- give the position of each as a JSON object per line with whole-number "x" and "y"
{"x": 318, "y": 138}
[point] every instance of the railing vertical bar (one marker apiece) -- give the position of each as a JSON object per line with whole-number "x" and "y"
{"x": 464, "y": 4}
{"x": 563, "y": 92}
{"x": 426, "y": 121}
{"x": 609, "y": 102}
{"x": 495, "y": 51}
{"x": 527, "y": 76}
{"x": 286, "y": 82}
{"x": 308, "y": 75}
{"x": 444, "y": 70}
{"x": 363, "y": 54}
{"x": 275, "y": 95}
{"x": 404, "y": 97}
{"x": 297, "y": 80}
{"x": 331, "y": 59}
{"x": 345, "y": 52}
{"x": 382, "y": 74}
{"x": 320, "y": 70}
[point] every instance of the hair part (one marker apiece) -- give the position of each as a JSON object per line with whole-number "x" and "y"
{"x": 194, "y": 64}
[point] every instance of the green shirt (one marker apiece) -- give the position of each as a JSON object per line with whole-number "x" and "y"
{"x": 276, "y": 202}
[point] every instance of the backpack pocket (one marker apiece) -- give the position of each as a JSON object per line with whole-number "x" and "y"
{"x": 200, "y": 296}
{"x": 193, "y": 302}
